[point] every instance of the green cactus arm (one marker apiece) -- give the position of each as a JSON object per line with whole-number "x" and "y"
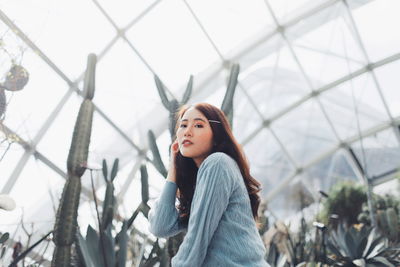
{"x": 108, "y": 206}
{"x": 227, "y": 103}
{"x": 90, "y": 75}
{"x": 145, "y": 183}
{"x": 172, "y": 117}
{"x": 188, "y": 91}
{"x": 105, "y": 170}
{"x": 114, "y": 169}
{"x": 3, "y": 102}
{"x": 156, "y": 154}
{"x": 161, "y": 92}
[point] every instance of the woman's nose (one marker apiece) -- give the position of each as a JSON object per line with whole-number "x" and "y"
{"x": 187, "y": 131}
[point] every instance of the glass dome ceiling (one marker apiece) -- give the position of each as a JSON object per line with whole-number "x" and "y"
{"x": 317, "y": 100}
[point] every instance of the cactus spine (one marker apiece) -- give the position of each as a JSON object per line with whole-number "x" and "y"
{"x": 67, "y": 213}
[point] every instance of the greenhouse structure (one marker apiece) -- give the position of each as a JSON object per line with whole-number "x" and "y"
{"x": 89, "y": 94}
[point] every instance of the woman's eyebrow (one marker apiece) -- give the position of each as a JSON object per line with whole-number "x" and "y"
{"x": 196, "y": 119}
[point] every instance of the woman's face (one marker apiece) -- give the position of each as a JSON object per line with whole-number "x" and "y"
{"x": 194, "y": 134}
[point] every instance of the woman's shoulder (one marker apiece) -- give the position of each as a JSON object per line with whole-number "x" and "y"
{"x": 218, "y": 160}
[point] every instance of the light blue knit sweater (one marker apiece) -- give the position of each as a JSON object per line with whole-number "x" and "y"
{"x": 221, "y": 230}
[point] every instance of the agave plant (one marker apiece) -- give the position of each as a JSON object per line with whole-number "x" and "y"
{"x": 360, "y": 247}
{"x": 102, "y": 249}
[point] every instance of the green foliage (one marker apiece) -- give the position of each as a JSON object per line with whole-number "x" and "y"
{"x": 102, "y": 249}
{"x": 3, "y": 238}
{"x": 145, "y": 183}
{"x": 345, "y": 199}
{"x": 387, "y": 216}
{"x": 360, "y": 247}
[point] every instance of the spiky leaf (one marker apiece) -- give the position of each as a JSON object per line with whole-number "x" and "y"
{"x": 114, "y": 170}
{"x": 162, "y": 92}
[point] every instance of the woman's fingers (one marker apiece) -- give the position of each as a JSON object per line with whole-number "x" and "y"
{"x": 175, "y": 146}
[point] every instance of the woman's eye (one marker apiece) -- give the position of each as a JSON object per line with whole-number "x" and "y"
{"x": 182, "y": 125}
{"x": 199, "y": 125}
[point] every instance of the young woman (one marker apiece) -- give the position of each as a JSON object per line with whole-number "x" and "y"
{"x": 218, "y": 198}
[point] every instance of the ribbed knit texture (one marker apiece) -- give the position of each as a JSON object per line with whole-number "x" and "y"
{"x": 221, "y": 230}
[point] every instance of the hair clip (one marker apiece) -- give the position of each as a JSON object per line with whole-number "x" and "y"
{"x": 214, "y": 121}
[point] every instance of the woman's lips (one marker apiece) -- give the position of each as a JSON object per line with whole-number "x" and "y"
{"x": 187, "y": 143}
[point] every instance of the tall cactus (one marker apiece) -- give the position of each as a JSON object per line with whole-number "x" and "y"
{"x": 173, "y": 105}
{"x": 67, "y": 213}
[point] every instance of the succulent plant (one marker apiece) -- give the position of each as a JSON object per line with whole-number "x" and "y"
{"x": 360, "y": 247}
{"x": 102, "y": 249}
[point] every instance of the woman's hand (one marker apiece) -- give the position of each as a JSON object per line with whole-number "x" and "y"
{"x": 171, "y": 171}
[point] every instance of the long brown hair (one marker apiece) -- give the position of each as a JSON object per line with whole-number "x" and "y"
{"x": 224, "y": 141}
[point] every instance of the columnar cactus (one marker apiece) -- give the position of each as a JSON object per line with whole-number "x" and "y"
{"x": 173, "y": 105}
{"x": 66, "y": 220}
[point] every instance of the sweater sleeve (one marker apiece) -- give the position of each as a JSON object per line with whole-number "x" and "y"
{"x": 163, "y": 216}
{"x": 214, "y": 186}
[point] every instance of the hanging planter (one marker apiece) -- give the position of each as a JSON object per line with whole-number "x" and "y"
{"x": 16, "y": 78}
